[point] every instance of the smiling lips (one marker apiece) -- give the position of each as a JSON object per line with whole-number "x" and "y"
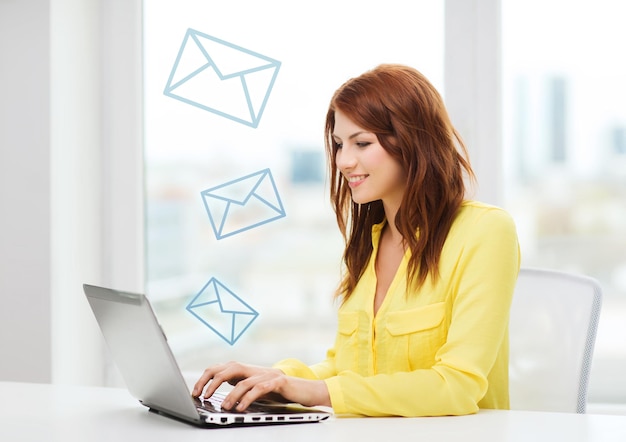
{"x": 356, "y": 180}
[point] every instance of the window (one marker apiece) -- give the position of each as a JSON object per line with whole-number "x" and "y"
{"x": 565, "y": 126}
{"x": 285, "y": 267}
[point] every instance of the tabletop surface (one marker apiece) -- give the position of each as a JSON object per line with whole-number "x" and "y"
{"x": 44, "y": 412}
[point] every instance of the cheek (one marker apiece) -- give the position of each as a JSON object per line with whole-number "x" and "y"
{"x": 380, "y": 157}
{"x": 397, "y": 174}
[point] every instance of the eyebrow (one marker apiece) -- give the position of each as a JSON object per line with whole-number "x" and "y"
{"x": 354, "y": 135}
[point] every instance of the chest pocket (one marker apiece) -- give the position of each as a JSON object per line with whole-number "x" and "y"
{"x": 415, "y": 335}
{"x": 346, "y": 348}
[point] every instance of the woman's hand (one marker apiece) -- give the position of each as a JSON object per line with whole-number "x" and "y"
{"x": 251, "y": 383}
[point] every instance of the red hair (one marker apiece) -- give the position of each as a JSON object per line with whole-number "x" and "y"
{"x": 408, "y": 116}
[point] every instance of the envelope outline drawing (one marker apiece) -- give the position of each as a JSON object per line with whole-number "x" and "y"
{"x": 221, "y": 310}
{"x": 222, "y": 78}
{"x": 253, "y": 197}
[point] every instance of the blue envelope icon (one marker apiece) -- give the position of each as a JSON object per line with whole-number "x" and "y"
{"x": 243, "y": 204}
{"x": 222, "y": 78}
{"x": 222, "y": 311}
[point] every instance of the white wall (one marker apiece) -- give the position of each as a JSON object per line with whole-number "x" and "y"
{"x": 70, "y": 155}
{"x": 24, "y": 191}
{"x": 473, "y": 88}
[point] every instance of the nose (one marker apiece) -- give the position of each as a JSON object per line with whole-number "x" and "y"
{"x": 345, "y": 159}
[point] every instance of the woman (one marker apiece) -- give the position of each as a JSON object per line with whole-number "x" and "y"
{"x": 429, "y": 275}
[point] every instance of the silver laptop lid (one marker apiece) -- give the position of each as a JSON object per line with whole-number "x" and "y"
{"x": 140, "y": 350}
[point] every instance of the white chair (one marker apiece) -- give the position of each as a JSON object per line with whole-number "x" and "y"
{"x": 554, "y": 319}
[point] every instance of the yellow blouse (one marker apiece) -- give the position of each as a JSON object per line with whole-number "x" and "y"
{"x": 441, "y": 349}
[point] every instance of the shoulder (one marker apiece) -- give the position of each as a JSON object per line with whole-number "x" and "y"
{"x": 478, "y": 214}
{"x": 481, "y": 223}
{"x": 485, "y": 234}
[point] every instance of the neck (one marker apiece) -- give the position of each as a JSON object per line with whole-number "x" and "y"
{"x": 392, "y": 233}
{"x": 390, "y": 214}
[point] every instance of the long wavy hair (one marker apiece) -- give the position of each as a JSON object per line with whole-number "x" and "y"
{"x": 408, "y": 116}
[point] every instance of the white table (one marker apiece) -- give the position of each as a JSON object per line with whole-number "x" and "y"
{"x": 42, "y": 412}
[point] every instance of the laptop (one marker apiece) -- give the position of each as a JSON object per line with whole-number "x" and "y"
{"x": 140, "y": 350}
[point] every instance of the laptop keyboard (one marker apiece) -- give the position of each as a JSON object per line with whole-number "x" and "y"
{"x": 214, "y": 405}
{"x": 211, "y": 405}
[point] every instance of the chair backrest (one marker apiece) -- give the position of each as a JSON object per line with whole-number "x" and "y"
{"x": 554, "y": 319}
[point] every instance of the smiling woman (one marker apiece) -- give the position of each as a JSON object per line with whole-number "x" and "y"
{"x": 426, "y": 293}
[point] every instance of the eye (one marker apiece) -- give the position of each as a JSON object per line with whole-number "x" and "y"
{"x": 363, "y": 143}
{"x": 338, "y": 145}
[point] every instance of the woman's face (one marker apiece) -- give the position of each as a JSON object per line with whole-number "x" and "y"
{"x": 370, "y": 171}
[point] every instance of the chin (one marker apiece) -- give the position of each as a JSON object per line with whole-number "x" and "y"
{"x": 361, "y": 200}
